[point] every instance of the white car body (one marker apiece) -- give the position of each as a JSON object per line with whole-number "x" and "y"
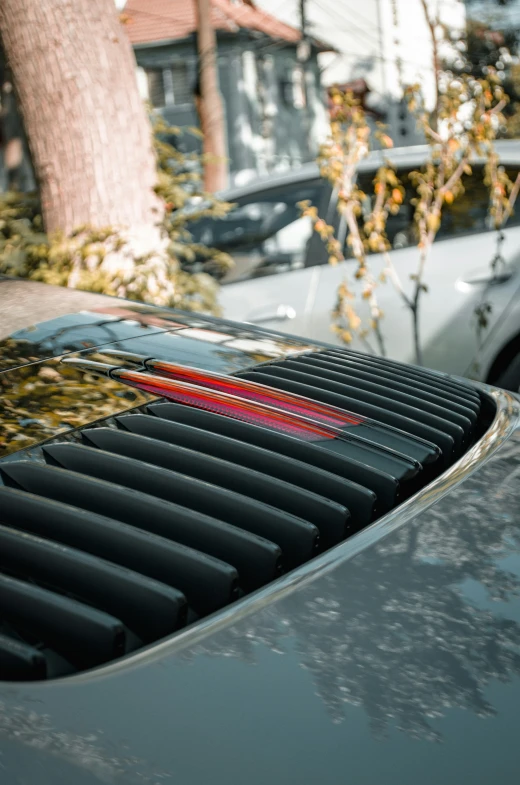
{"x": 458, "y": 276}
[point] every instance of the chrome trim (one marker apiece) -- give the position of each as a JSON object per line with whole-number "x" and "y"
{"x": 506, "y": 422}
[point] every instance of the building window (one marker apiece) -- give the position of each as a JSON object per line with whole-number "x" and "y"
{"x": 293, "y": 88}
{"x": 182, "y": 88}
{"x": 156, "y": 92}
{"x": 169, "y": 86}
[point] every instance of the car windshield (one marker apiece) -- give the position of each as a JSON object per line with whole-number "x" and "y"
{"x": 265, "y": 232}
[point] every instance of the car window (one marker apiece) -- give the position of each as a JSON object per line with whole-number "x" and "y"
{"x": 265, "y": 236}
{"x": 468, "y": 214}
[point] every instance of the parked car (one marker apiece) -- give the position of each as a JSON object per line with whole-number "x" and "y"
{"x": 230, "y": 555}
{"x": 282, "y": 278}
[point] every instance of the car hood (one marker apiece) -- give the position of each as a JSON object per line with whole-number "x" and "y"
{"x": 394, "y": 657}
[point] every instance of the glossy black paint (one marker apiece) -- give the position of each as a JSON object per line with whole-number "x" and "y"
{"x": 392, "y": 658}
{"x": 40, "y": 397}
{"x": 147, "y": 326}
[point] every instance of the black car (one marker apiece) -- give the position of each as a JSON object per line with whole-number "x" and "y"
{"x": 230, "y": 556}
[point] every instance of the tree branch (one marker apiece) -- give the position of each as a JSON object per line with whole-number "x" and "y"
{"x": 512, "y": 198}
{"x": 394, "y": 276}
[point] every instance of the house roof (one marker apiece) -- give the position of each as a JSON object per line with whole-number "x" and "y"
{"x": 147, "y": 21}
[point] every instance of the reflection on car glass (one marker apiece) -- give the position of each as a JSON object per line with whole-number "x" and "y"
{"x": 265, "y": 236}
{"x": 246, "y": 342}
{"x": 265, "y": 347}
{"x": 142, "y": 316}
{"x": 43, "y": 401}
{"x": 203, "y": 335}
{"x": 467, "y": 214}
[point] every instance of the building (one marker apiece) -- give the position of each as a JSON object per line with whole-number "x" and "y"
{"x": 274, "y": 104}
{"x": 386, "y": 43}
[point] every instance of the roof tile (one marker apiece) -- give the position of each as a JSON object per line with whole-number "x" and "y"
{"x": 161, "y": 20}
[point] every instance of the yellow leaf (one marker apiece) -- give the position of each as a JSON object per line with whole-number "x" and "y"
{"x": 353, "y": 319}
{"x": 433, "y": 222}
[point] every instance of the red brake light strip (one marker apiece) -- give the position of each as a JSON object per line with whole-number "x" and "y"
{"x": 259, "y": 393}
{"x": 223, "y": 403}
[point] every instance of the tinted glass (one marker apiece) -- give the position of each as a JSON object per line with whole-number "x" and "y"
{"x": 468, "y": 214}
{"x": 266, "y": 235}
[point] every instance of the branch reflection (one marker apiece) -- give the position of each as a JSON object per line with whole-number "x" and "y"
{"x": 401, "y": 630}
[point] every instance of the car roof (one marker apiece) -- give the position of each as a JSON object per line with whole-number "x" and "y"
{"x": 413, "y": 155}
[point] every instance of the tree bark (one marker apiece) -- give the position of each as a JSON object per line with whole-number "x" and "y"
{"x": 209, "y": 105}
{"x": 90, "y": 139}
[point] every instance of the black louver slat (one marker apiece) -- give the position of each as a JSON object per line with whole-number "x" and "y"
{"x": 465, "y": 418}
{"x": 369, "y": 405}
{"x": 21, "y": 662}
{"x": 207, "y": 583}
{"x": 116, "y": 542}
{"x": 148, "y": 608}
{"x": 200, "y": 535}
{"x": 431, "y": 379}
{"x": 355, "y": 369}
{"x": 360, "y": 501}
{"x": 255, "y": 558}
{"x": 385, "y": 485}
{"x": 293, "y": 532}
{"x": 435, "y": 428}
{"x": 84, "y": 636}
{"x": 123, "y": 534}
{"x": 371, "y": 433}
{"x": 189, "y": 492}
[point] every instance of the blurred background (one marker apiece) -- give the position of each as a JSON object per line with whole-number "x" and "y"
{"x": 346, "y": 172}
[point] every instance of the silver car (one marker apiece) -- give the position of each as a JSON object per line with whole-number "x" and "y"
{"x": 282, "y": 280}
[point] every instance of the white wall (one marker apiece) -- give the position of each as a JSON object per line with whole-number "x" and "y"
{"x": 371, "y": 35}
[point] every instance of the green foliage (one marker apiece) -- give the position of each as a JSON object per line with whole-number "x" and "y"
{"x": 178, "y": 278}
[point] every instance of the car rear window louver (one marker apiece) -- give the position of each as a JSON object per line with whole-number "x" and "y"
{"x": 125, "y": 532}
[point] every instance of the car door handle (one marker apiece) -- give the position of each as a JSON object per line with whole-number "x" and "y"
{"x": 490, "y": 280}
{"x": 276, "y": 313}
{"x": 489, "y": 277}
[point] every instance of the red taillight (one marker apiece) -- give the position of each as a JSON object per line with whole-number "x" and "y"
{"x": 259, "y": 393}
{"x": 226, "y": 404}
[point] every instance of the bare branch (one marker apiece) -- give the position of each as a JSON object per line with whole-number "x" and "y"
{"x": 498, "y": 107}
{"x": 512, "y": 198}
{"x": 394, "y": 276}
{"x": 434, "y": 135}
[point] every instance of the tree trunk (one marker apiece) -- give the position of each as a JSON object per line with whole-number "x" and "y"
{"x": 89, "y": 136}
{"x": 210, "y": 106}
